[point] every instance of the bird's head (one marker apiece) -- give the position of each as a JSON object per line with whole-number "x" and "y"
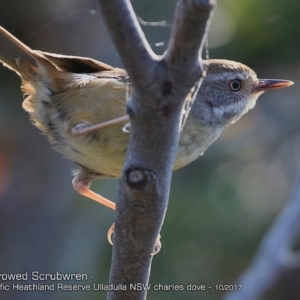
{"x": 229, "y": 90}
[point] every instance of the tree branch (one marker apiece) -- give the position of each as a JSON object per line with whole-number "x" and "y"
{"x": 275, "y": 257}
{"x": 185, "y": 46}
{"x": 129, "y": 40}
{"x": 160, "y": 86}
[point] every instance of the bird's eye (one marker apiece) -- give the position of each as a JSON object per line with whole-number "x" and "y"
{"x": 235, "y": 85}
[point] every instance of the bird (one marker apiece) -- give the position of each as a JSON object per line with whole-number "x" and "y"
{"x": 67, "y": 96}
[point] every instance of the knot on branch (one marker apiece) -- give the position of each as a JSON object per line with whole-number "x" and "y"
{"x": 137, "y": 177}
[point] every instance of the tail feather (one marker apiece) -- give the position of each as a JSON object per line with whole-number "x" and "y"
{"x": 13, "y": 54}
{"x": 11, "y": 50}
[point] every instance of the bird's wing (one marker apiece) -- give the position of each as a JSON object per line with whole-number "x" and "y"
{"x": 77, "y": 64}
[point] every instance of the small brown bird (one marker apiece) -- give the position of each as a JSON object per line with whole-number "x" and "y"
{"x": 66, "y": 94}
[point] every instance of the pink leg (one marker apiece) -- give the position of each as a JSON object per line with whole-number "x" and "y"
{"x": 81, "y": 185}
{"x": 82, "y": 129}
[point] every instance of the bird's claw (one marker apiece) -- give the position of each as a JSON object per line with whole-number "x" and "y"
{"x": 157, "y": 246}
{"x": 126, "y": 128}
{"x": 110, "y": 233}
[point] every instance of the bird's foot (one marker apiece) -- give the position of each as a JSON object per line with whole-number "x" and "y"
{"x": 157, "y": 246}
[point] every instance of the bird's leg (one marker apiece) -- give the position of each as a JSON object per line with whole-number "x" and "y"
{"x": 82, "y": 129}
{"x": 81, "y": 184}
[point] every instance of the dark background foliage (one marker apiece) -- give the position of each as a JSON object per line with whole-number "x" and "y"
{"x": 220, "y": 206}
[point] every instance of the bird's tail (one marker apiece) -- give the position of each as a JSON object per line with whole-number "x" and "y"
{"x": 12, "y": 49}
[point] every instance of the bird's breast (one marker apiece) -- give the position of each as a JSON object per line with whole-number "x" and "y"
{"x": 195, "y": 138}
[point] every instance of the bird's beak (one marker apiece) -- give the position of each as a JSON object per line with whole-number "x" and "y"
{"x": 271, "y": 84}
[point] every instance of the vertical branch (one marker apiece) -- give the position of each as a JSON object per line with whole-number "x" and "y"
{"x": 160, "y": 86}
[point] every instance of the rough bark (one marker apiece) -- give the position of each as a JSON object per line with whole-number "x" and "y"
{"x": 160, "y": 86}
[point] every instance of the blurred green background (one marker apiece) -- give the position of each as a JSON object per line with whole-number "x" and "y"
{"x": 220, "y": 205}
